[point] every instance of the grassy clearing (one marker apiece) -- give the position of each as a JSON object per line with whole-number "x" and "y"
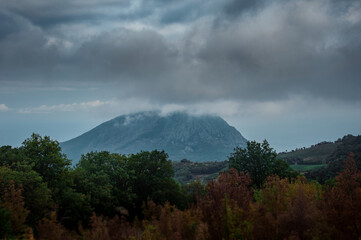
{"x": 304, "y": 168}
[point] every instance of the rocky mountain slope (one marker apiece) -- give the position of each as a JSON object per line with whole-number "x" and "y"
{"x": 197, "y": 138}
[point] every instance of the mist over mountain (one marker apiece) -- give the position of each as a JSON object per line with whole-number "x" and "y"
{"x": 197, "y": 138}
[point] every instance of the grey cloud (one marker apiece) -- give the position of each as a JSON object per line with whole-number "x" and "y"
{"x": 24, "y": 50}
{"x": 189, "y": 10}
{"x": 234, "y": 8}
{"x": 282, "y": 48}
{"x": 28, "y": 54}
{"x": 49, "y": 13}
{"x": 125, "y": 54}
{"x": 184, "y": 13}
{"x": 8, "y": 24}
{"x": 291, "y": 52}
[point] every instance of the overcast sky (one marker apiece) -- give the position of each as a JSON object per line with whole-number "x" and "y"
{"x": 288, "y": 71}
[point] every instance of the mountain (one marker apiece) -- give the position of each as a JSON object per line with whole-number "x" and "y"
{"x": 197, "y": 138}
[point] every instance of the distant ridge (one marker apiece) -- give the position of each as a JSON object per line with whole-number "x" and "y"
{"x": 324, "y": 152}
{"x": 197, "y": 138}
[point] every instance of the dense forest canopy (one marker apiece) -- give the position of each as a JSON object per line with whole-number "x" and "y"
{"x": 114, "y": 196}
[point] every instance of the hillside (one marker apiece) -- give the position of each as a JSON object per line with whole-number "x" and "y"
{"x": 316, "y": 154}
{"x": 336, "y": 160}
{"x": 323, "y": 152}
{"x": 197, "y": 138}
{"x": 324, "y": 160}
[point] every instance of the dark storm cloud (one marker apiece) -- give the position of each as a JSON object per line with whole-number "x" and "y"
{"x": 259, "y": 51}
{"x": 185, "y": 13}
{"x": 8, "y": 24}
{"x": 52, "y": 12}
{"x": 234, "y": 8}
{"x": 293, "y": 48}
{"x": 124, "y": 54}
{"x": 25, "y": 54}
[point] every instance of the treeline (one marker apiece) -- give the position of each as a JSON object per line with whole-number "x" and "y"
{"x": 40, "y": 178}
{"x": 112, "y": 196}
{"x": 186, "y": 171}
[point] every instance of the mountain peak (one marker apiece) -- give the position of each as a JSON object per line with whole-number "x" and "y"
{"x": 181, "y": 135}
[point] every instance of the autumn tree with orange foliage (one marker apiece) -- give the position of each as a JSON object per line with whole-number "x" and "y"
{"x": 11, "y": 199}
{"x": 287, "y": 210}
{"x": 342, "y": 204}
{"x": 226, "y": 201}
{"x": 50, "y": 228}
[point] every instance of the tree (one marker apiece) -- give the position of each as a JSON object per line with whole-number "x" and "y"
{"x": 287, "y": 210}
{"x": 50, "y": 228}
{"x": 342, "y": 203}
{"x": 5, "y": 223}
{"x": 11, "y": 199}
{"x": 74, "y": 209}
{"x": 225, "y": 205}
{"x": 260, "y": 161}
{"x": 102, "y": 176}
{"x": 47, "y": 159}
{"x": 37, "y": 196}
{"x": 11, "y": 157}
{"x": 115, "y": 181}
{"x": 152, "y": 179}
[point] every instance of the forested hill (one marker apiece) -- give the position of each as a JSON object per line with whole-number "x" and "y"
{"x": 324, "y": 152}
{"x": 316, "y": 154}
{"x": 197, "y": 138}
{"x": 336, "y": 160}
{"x": 325, "y": 159}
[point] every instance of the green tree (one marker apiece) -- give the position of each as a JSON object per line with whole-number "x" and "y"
{"x": 74, "y": 208}
{"x": 40, "y": 162}
{"x": 152, "y": 179}
{"x": 5, "y": 224}
{"x": 115, "y": 181}
{"x": 47, "y": 159}
{"x": 102, "y": 176}
{"x": 11, "y": 157}
{"x": 37, "y": 196}
{"x": 260, "y": 161}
